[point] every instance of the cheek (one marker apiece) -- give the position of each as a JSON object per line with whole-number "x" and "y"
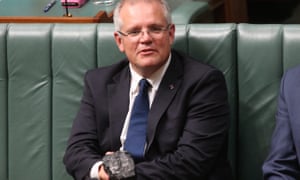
{"x": 129, "y": 47}
{"x": 165, "y": 42}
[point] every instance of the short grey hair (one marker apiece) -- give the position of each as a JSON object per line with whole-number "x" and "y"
{"x": 118, "y": 22}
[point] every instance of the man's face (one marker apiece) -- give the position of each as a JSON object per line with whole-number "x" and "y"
{"x": 148, "y": 50}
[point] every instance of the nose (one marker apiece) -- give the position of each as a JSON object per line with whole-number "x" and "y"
{"x": 145, "y": 36}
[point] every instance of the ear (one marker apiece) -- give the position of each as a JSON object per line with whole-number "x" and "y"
{"x": 119, "y": 41}
{"x": 172, "y": 33}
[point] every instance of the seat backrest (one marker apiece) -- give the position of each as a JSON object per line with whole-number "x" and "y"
{"x": 29, "y": 122}
{"x": 265, "y": 52}
{"x": 217, "y": 48}
{"x": 3, "y": 103}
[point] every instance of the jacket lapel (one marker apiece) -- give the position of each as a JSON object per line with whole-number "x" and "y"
{"x": 167, "y": 90}
{"x": 118, "y": 98}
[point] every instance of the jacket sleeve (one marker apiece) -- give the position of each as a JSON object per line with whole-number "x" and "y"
{"x": 282, "y": 162}
{"x": 82, "y": 147}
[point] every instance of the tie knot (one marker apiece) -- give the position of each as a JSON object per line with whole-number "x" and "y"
{"x": 144, "y": 85}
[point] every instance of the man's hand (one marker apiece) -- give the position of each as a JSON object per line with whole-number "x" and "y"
{"x": 118, "y": 165}
{"x": 102, "y": 174}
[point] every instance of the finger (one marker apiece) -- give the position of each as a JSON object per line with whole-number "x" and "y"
{"x": 109, "y": 152}
{"x": 102, "y": 174}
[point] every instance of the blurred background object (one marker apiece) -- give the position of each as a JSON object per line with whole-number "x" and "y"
{"x": 249, "y": 11}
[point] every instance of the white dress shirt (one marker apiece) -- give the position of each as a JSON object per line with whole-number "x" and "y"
{"x": 154, "y": 80}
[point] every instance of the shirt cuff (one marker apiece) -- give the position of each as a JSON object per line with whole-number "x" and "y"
{"x": 95, "y": 169}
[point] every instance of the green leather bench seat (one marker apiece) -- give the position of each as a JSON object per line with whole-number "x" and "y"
{"x": 264, "y": 53}
{"x": 3, "y": 104}
{"x": 191, "y": 12}
{"x": 29, "y": 102}
{"x": 259, "y": 73}
{"x": 73, "y": 52}
{"x": 41, "y": 79}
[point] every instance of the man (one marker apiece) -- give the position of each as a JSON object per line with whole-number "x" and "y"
{"x": 283, "y": 161}
{"x": 187, "y": 124}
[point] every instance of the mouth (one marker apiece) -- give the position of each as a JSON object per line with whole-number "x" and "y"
{"x": 147, "y": 51}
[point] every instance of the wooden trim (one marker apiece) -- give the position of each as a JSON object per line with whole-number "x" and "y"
{"x": 101, "y": 16}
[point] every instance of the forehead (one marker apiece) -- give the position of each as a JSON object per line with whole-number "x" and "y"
{"x": 142, "y": 13}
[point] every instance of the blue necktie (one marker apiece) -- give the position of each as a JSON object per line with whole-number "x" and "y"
{"x": 136, "y": 135}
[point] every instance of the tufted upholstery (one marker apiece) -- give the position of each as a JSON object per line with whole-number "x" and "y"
{"x": 42, "y": 67}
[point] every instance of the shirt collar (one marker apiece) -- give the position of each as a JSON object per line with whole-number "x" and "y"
{"x": 154, "y": 79}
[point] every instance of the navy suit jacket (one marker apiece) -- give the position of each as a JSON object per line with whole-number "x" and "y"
{"x": 283, "y": 161}
{"x": 187, "y": 126}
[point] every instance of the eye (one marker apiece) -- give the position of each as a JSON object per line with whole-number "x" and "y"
{"x": 155, "y": 29}
{"x": 134, "y": 32}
